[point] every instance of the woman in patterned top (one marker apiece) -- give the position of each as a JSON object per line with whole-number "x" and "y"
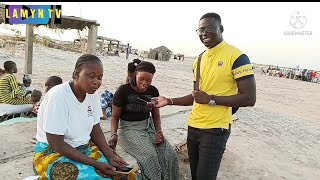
{"x": 10, "y": 93}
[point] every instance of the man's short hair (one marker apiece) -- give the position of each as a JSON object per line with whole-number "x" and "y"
{"x": 212, "y": 15}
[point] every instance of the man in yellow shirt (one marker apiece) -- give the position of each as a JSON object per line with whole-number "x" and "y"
{"x": 226, "y": 80}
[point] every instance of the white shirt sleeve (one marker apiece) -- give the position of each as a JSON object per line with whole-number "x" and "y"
{"x": 97, "y": 109}
{"x": 55, "y": 114}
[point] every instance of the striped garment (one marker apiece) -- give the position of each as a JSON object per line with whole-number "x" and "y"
{"x": 9, "y": 90}
{"x": 155, "y": 162}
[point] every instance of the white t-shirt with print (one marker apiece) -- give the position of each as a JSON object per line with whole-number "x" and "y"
{"x": 61, "y": 113}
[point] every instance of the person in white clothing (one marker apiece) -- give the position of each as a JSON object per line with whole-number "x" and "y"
{"x": 70, "y": 143}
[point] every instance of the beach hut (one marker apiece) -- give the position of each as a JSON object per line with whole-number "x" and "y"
{"x": 67, "y": 22}
{"x": 161, "y": 53}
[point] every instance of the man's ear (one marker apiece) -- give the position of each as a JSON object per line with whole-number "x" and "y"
{"x": 221, "y": 28}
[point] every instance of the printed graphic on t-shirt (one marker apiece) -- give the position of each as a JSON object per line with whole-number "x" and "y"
{"x": 136, "y": 103}
{"x": 90, "y": 113}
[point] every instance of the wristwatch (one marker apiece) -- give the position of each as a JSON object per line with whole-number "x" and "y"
{"x": 212, "y": 102}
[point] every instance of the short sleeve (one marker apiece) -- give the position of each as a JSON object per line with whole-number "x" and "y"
{"x": 97, "y": 108}
{"x": 154, "y": 92}
{"x": 242, "y": 68}
{"x": 118, "y": 98}
{"x": 194, "y": 68}
{"x": 54, "y": 114}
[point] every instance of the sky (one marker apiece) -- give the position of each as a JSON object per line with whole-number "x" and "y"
{"x": 256, "y": 28}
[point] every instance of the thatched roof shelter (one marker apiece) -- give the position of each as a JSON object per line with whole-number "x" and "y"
{"x": 161, "y": 53}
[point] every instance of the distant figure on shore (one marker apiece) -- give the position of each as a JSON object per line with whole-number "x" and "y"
{"x": 127, "y": 51}
{"x": 116, "y": 53}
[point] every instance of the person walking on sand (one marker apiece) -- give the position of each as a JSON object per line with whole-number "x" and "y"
{"x": 127, "y": 51}
{"x": 226, "y": 80}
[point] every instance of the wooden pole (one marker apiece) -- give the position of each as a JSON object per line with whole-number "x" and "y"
{"x": 92, "y": 40}
{"x": 28, "y": 49}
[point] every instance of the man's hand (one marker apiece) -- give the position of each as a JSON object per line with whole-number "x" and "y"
{"x": 162, "y": 101}
{"x": 201, "y": 97}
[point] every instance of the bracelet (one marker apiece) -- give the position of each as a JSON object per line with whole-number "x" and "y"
{"x": 171, "y": 101}
{"x": 114, "y": 134}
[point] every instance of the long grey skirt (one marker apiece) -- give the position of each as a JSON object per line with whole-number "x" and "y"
{"x": 155, "y": 162}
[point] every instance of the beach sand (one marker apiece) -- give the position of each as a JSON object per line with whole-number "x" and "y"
{"x": 278, "y": 138}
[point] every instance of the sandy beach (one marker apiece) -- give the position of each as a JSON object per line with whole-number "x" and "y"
{"x": 278, "y": 138}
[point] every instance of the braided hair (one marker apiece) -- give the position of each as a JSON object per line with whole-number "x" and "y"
{"x": 84, "y": 59}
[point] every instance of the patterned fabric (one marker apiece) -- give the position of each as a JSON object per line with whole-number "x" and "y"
{"x": 9, "y": 90}
{"x": 106, "y": 98}
{"x": 155, "y": 162}
{"x": 49, "y": 164}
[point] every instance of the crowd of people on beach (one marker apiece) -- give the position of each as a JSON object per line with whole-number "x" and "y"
{"x": 70, "y": 143}
{"x": 293, "y": 73}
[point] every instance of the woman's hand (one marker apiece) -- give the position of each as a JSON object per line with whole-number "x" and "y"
{"x": 117, "y": 161}
{"x": 106, "y": 169}
{"x": 113, "y": 141}
{"x": 159, "y": 139}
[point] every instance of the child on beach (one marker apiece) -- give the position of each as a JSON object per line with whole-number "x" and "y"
{"x": 35, "y": 98}
{"x": 26, "y": 86}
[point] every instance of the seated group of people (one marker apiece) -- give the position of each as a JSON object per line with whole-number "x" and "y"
{"x": 70, "y": 143}
{"x": 14, "y": 93}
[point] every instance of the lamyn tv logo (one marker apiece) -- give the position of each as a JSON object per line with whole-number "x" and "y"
{"x": 33, "y": 14}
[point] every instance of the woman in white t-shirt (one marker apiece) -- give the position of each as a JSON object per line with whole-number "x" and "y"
{"x": 70, "y": 143}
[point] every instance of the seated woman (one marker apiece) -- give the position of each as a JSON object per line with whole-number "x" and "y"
{"x": 139, "y": 134}
{"x": 10, "y": 93}
{"x": 70, "y": 143}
